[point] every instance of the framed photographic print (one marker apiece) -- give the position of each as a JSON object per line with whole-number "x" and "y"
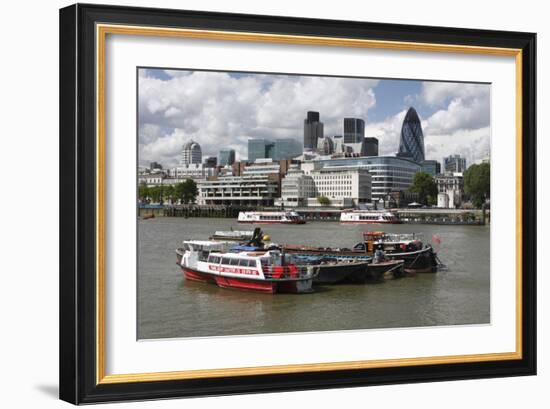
{"x": 257, "y": 203}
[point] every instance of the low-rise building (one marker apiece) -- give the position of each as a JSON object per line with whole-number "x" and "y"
{"x": 451, "y": 189}
{"x": 192, "y": 170}
{"x": 250, "y": 190}
{"x": 336, "y": 183}
{"x": 296, "y": 188}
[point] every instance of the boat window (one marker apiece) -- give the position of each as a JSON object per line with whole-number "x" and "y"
{"x": 225, "y": 260}
{"x": 203, "y": 255}
{"x": 234, "y": 261}
{"x": 243, "y": 262}
{"x": 213, "y": 259}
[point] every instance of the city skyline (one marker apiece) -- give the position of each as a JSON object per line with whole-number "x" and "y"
{"x": 223, "y": 110}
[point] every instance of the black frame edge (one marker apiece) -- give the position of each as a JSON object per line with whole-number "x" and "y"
{"x": 77, "y": 205}
{"x": 68, "y": 390}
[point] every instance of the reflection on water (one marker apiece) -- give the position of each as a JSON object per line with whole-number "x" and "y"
{"x": 169, "y": 306}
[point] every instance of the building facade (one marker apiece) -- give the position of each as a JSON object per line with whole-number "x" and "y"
{"x": 389, "y": 173}
{"x": 191, "y": 153}
{"x": 354, "y": 130}
{"x": 238, "y": 191}
{"x": 343, "y": 182}
{"x": 454, "y": 163}
{"x": 279, "y": 149}
{"x": 296, "y": 188}
{"x": 411, "y": 143}
{"x": 211, "y": 162}
{"x": 227, "y": 157}
{"x": 313, "y": 130}
{"x": 431, "y": 167}
{"x": 371, "y": 146}
{"x": 285, "y": 148}
{"x": 192, "y": 170}
{"x": 450, "y": 187}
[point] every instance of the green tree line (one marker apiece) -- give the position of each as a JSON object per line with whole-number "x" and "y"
{"x": 184, "y": 192}
{"x": 477, "y": 183}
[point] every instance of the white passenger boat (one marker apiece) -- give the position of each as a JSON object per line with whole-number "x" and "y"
{"x": 286, "y": 217}
{"x": 264, "y": 271}
{"x": 369, "y": 217}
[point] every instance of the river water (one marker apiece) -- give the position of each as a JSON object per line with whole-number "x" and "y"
{"x": 171, "y": 307}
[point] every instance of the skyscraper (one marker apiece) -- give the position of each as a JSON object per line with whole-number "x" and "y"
{"x": 411, "y": 144}
{"x": 227, "y": 157}
{"x": 354, "y": 130}
{"x": 313, "y": 130}
{"x": 191, "y": 153}
{"x": 454, "y": 163}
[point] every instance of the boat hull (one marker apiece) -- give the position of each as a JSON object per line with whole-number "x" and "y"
{"x": 355, "y": 273}
{"x": 263, "y": 286}
{"x": 422, "y": 261}
{"x": 378, "y": 272}
{"x": 271, "y": 222}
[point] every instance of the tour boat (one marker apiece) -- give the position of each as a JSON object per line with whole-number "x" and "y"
{"x": 286, "y": 217}
{"x": 264, "y": 271}
{"x": 369, "y": 217}
{"x": 233, "y": 235}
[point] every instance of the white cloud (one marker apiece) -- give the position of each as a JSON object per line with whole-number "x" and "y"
{"x": 220, "y": 110}
{"x": 460, "y": 123}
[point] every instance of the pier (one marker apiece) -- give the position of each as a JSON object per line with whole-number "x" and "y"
{"x": 408, "y": 216}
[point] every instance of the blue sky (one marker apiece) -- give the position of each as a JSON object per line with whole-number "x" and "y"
{"x": 223, "y": 110}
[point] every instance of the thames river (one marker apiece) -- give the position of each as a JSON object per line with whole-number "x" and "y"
{"x": 171, "y": 307}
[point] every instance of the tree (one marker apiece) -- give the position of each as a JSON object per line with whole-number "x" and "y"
{"x": 186, "y": 191}
{"x": 169, "y": 193}
{"x": 424, "y": 185}
{"x": 323, "y": 200}
{"x": 156, "y": 193}
{"x": 143, "y": 191}
{"x": 477, "y": 183}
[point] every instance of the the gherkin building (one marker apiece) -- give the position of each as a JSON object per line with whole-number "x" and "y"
{"x": 411, "y": 143}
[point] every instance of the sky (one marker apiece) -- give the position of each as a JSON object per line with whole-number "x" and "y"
{"x": 222, "y": 110}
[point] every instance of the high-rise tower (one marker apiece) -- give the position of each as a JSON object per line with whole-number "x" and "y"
{"x": 191, "y": 153}
{"x": 411, "y": 144}
{"x": 354, "y": 130}
{"x": 313, "y": 130}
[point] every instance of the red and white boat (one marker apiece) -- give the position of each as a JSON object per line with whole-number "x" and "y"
{"x": 369, "y": 217}
{"x": 288, "y": 217}
{"x": 264, "y": 271}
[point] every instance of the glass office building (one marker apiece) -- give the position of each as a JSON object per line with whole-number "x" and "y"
{"x": 227, "y": 157}
{"x": 354, "y": 130}
{"x": 286, "y": 148}
{"x": 280, "y": 149}
{"x": 313, "y": 130}
{"x": 257, "y": 149}
{"x": 411, "y": 144}
{"x": 389, "y": 173}
{"x": 432, "y": 167}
